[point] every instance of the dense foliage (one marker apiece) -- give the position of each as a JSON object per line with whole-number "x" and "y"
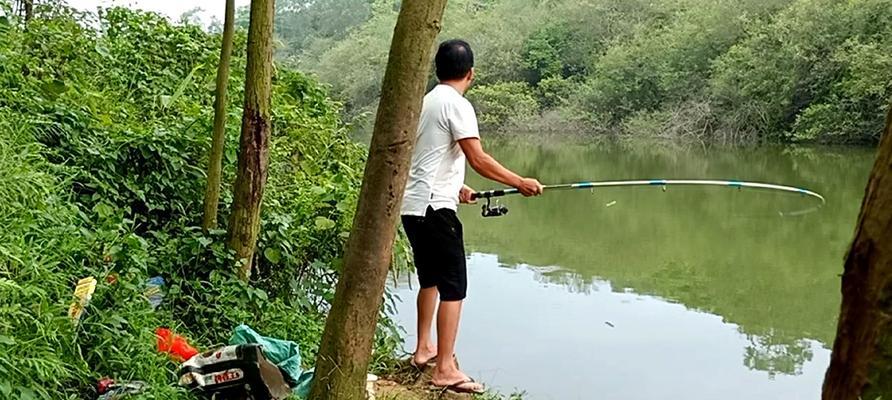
{"x": 304, "y": 24}
{"x": 769, "y": 70}
{"x": 106, "y": 123}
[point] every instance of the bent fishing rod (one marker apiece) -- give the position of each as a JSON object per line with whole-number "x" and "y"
{"x": 499, "y": 210}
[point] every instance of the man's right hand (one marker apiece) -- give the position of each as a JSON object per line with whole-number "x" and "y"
{"x": 489, "y": 168}
{"x": 530, "y": 187}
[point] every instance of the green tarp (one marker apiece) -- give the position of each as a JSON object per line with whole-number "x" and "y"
{"x": 283, "y": 353}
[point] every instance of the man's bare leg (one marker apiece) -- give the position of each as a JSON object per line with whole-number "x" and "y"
{"x": 448, "y": 317}
{"x": 427, "y": 305}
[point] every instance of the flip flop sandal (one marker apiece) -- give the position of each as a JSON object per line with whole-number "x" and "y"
{"x": 466, "y": 386}
{"x": 430, "y": 362}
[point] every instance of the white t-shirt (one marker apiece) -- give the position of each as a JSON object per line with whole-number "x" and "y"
{"x": 437, "y": 172}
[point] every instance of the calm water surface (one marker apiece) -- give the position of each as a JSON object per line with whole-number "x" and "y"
{"x": 691, "y": 293}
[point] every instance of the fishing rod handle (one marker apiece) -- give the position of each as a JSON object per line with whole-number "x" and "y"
{"x": 492, "y": 193}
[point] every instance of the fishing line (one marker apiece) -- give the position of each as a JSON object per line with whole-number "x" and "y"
{"x": 498, "y": 210}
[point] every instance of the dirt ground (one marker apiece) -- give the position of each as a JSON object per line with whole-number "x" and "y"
{"x": 408, "y": 383}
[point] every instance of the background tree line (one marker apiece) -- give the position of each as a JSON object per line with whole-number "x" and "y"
{"x": 753, "y": 70}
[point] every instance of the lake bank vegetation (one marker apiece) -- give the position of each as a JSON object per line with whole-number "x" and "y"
{"x": 727, "y": 71}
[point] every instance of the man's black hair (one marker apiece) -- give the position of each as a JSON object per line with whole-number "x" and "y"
{"x": 454, "y": 60}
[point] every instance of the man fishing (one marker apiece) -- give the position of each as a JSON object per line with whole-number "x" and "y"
{"x": 447, "y": 136}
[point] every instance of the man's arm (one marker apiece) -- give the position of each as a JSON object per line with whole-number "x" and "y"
{"x": 489, "y": 168}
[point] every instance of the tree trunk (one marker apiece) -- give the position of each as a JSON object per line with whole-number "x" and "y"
{"x": 344, "y": 354}
{"x": 215, "y": 162}
{"x": 244, "y": 223}
{"x": 861, "y": 363}
{"x": 27, "y": 9}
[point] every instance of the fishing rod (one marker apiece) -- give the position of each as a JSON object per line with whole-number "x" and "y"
{"x": 499, "y": 210}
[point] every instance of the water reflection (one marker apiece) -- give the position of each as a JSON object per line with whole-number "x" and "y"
{"x": 717, "y": 250}
{"x": 771, "y": 351}
{"x": 706, "y": 289}
{"x": 522, "y": 330}
{"x": 777, "y": 355}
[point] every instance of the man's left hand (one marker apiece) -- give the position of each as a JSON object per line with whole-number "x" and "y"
{"x": 465, "y": 195}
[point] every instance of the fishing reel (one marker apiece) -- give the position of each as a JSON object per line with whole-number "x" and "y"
{"x": 488, "y": 210}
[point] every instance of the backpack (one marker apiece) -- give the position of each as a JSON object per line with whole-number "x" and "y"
{"x": 239, "y": 372}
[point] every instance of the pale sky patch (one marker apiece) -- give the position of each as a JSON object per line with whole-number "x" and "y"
{"x": 171, "y": 8}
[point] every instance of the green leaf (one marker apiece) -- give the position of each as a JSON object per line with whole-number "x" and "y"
{"x": 103, "y": 210}
{"x": 54, "y": 89}
{"x": 7, "y": 340}
{"x": 103, "y": 51}
{"x": 273, "y": 255}
{"x": 324, "y": 224}
{"x": 27, "y": 394}
{"x": 167, "y": 100}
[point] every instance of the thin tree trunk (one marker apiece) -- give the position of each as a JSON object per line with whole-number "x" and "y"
{"x": 861, "y": 363}
{"x": 215, "y": 162}
{"x": 28, "y": 6}
{"x": 244, "y": 223}
{"x": 344, "y": 354}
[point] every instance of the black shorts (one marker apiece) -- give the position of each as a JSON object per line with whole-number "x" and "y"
{"x": 439, "y": 251}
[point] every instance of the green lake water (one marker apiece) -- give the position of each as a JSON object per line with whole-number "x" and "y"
{"x": 640, "y": 293}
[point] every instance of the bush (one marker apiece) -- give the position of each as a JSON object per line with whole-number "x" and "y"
{"x": 692, "y": 121}
{"x": 503, "y": 103}
{"x": 854, "y": 110}
{"x": 770, "y": 70}
{"x": 542, "y": 53}
{"x": 102, "y": 174}
{"x": 818, "y": 71}
{"x": 556, "y": 92}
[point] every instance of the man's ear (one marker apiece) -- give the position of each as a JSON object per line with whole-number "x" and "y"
{"x": 471, "y": 74}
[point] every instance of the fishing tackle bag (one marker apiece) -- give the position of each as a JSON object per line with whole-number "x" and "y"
{"x": 238, "y": 372}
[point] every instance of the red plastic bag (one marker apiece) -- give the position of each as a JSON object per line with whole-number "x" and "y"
{"x": 175, "y": 345}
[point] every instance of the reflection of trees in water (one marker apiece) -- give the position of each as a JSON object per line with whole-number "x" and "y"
{"x": 776, "y": 354}
{"x": 772, "y": 351}
{"x": 775, "y": 278}
{"x": 572, "y": 282}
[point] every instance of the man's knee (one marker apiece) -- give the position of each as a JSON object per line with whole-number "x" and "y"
{"x": 453, "y": 291}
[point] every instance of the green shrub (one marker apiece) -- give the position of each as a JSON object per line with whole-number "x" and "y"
{"x": 542, "y": 53}
{"x": 854, "y": 111}
{"x": 102, "y": 174}
{"x": 556, "y": 92}
{"x": 503, "y": 103}
{"x": 818, "y": 71}
{"x": 771, "y": 70}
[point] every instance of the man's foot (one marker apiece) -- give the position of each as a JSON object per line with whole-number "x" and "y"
{"x": 468, "y": 385}
{"x": 449, "y": 377}
{"x": 424, "y": 356}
